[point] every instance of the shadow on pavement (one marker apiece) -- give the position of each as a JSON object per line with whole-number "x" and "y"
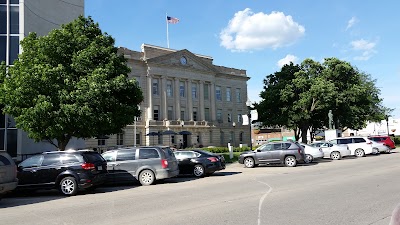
{"x": 27, "y": 197}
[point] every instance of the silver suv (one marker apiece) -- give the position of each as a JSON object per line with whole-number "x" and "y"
{"x": 146, "y": 164}
{"x": 8, "y": 173}
{"x": 282, "y": 152}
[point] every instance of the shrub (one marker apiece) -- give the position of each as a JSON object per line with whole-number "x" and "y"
{"x": 396, "y": 140}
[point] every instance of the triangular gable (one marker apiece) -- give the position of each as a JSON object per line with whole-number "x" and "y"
{"x": 192, "y": 60}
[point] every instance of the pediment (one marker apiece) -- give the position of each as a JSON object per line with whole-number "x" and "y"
{"x": 184, "y": 59}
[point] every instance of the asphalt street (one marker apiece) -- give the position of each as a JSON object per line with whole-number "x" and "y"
{"x": 349, "y": 191}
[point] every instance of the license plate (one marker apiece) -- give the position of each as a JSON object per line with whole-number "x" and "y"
{"x": 100, "y": 168}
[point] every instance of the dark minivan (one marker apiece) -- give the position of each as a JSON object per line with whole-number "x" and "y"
{"x": 146, "y": 164}
{"x": 68, "y": 171}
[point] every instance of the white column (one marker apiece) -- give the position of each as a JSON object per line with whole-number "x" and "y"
{"x": 149, "y": 98}
{"x": 177, "y": 100}
{"x": 201, "y": 98}
{"x": 212, "y": 95}
{"x": 190, "y": 100}
{"x": 164, "y": 98}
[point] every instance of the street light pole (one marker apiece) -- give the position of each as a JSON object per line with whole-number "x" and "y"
{"x": 234, "y": 135}
{"x": 248, "y": 104}
{"x": 134, "y": 132}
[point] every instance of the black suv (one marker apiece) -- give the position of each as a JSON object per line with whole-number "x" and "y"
{"x": 68, "y": 171}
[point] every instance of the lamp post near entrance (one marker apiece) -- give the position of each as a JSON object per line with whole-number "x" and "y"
{"x": 248, "y": 104}
{"x": 234, "y": 135}
{"x": 134, "y": 129}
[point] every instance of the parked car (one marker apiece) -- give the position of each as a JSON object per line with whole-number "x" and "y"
{"x": 333, "y": 151}
{"x": 386, "y": 140}
{"x": 67, "y": 171}
{"x": 283, "y": 152}
{"x": 359, "y": 146}
{"x": 8, "y": 173}
{"x": 199, "y": 162}
{"x": 312, "y": 153}
{"x": 146, "y": 164}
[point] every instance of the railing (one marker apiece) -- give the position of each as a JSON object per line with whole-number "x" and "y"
{"x": 175, "y": 123}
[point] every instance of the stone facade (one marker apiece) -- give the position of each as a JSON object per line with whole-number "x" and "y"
{"x": 183, "y": 91}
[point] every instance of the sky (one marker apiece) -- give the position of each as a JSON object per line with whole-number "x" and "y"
{"x": 260, "y": 36}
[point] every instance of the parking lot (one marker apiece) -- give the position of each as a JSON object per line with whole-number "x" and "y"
{"x": 348, "y": 191}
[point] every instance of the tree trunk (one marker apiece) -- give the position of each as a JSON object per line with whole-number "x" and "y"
{"x": 297, "y": 133}
{"x": 63, "y": 142}
{"x": 304, "y": 130}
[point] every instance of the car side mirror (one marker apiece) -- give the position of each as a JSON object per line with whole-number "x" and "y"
{"x": 258, "y": 150}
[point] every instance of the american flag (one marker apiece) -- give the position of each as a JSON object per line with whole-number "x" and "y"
{"x": 172, "y": 20}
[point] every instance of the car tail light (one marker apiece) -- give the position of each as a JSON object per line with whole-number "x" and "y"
{"x": 300, "y": 151}
{"x": 369, "y": 143}
{"x": 164, "y": 163}
{"x": 88, "y": 166}
{"x": 213, "y": 159}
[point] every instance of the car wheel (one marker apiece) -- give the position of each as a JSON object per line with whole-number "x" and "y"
{"x": 146, "y": 177}
{"x": 249, "y": 162}
{"x": 68, "y": 186}
{"x": 335, "y": 155}
{"x": 309, "y": 158}
{"x": 198, "y": 170}
{"x": 359, "y": 152}
{"x": 290, "y": 161}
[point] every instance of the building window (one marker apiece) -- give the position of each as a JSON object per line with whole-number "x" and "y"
{"x": 3, "y": 47}
{"x": 239, "y": 118}
{"x": 238, "y": 97}
{"x": 207, "y": 114}
{"x": 228, "y": 95}
{"x": 120, "y": 139}
{"x": 194, "y": 90}
{"x": 218, "y": 95}
{"x": 221, "y": 138}
{"x": 101, "y": 142}
{"x": 211, "y": 137}
{"x": 156, "y": 112}
{"x": 206, "y": 92}
{"x": 219, "y": 115}
{"x": 14, "y": 19}
{"x": 3, "y": 19}
{"x": 182, "y": 114}
{"x": 241, "y": 137}
{"x": 138, "y": 141}
{"x": 182, "y": 89}
{"x": 169, "y": 88}
{"x": 155, "y": 87}
{"x": 229, "y": 117}
{"x": 173, "y": 139}
{"x": 14, "y": 49}
{"x": 194, "y": 114}
{"x": 170, "y": 113}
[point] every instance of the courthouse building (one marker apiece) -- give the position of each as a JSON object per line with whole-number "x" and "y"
{"x": 17, "y": 19}
{"x": 188, "y": 101}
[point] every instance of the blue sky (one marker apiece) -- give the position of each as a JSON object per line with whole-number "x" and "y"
{"x": 259, "y": 36}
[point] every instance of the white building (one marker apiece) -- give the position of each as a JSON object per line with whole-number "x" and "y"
{"x": 17, "y": 19}
{"x": 378, "y": 128}
{"x": 183, "y": 92}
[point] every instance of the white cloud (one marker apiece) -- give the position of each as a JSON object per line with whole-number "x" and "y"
{"x": 366, "y": 48}
{"x": 352, "y": 22}
{"x": 288, "y": 58}
{"x": 255, "y": 31}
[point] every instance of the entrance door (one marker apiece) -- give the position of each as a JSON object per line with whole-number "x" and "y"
{"x": 185, "y": 141}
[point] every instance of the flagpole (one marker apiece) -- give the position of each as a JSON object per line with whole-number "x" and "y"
{"x": 166, "y": 20}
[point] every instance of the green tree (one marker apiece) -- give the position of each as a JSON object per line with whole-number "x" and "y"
{"x": 70, "y": 83}
{"x": 300, "y": 97}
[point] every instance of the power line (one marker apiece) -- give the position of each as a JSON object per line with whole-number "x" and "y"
{"x": 71, "y": 3}
{"x": 40, "y": 16}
